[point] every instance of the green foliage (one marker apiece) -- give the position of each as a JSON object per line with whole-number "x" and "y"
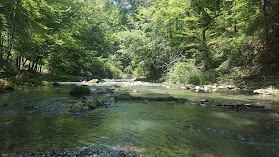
{"x": 228, "y": 39}
{"x": 113, "y": 72}
{"x": 5, "y": 86}
{"x": 64, "y": 36}
{"x": 187, "y": 72}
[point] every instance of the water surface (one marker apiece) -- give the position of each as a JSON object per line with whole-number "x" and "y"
{"x": 145, "y": 128}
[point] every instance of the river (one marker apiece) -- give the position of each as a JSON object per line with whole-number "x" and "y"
{"x": 140, "y": 127}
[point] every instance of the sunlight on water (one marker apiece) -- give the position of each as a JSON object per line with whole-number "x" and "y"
{"x": 142, "y": 127}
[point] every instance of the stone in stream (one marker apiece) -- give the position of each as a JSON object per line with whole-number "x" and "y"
{"x": 203, "y": 101}
{"x": 94, "y": 81}
{"x": 55, "y": 84}
{"x": 86, "y": 105}
{"x": 212, "y": 88}
{"x": 4, "y": 104}
{"x": 240, "y": 106}
{"x": 80, "y": 90}
{"x": 103, "y": 91}
{"x": 268, "y": 91}
{"x": 122, "y": 96}
{"x": 78, "y": 107}
{"x": 31, "y": 108}
{"x": 128, "y": 97}
{"x": 203, "y": 105}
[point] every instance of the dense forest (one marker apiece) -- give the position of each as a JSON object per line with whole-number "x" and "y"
{"x": 193, "y": 41}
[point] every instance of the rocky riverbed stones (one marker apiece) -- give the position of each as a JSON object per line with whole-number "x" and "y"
{"x": 87, "y": 152}
{"x": 86, "y": 105}
{"x": 212, "y": 88}
{"x": 265, "y": 92}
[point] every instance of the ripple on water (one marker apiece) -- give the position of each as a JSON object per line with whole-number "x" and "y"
{"x": 153, "y": 129}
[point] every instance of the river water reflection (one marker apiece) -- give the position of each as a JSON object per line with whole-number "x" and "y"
{"x": 145, "y": 128}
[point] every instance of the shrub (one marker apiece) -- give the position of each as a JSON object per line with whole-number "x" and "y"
{"x": 113, "y": 72}
{"x": 5, "y": 85}
{"x": 187, "y": 72}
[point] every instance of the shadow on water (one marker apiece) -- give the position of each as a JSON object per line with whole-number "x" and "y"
{"x": 149, "y": 128}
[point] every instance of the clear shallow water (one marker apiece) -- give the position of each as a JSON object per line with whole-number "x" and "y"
{"x": 146, "y": 128}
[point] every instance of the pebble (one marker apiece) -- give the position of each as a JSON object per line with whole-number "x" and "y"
{"x": 88, "y": 152}
{"x": 4, "y": 104}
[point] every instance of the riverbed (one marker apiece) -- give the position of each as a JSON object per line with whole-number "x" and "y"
{"x": 145, "y": 128}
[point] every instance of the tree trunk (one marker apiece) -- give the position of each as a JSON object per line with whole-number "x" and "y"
{"x": 29, "y": 66}
{"x": 203, "y": 36}
{"x": 33, "y": 65}
{"x": 235, "y": 21}
{"x": 265, "y": 21}
{"x": 24, "y": 62}
{"x": 205, "y": 53}
{"x": 36, "y": 67}
{"x": 18, "y": 61}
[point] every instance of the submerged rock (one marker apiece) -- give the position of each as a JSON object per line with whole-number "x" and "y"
{"x": 31, "y": 108}
{"x": 80, "y": 90}
{"x": 4, "y": 104}
{"x": 235, "y": 106}
{"x": 77, "y": 107}
{"x": 103, "y": 91}
{"x": 240, "y": 106}
{"x": 128, "y": 97}
{"x": 122, "y": 96}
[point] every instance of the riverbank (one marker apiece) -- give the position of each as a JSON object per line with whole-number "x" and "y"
{"x": 262, "y": 85}
{"x": 31, "y": 79}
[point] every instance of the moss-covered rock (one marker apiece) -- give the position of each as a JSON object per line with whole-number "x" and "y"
{"x": 92, "y": 106}
{"x": 98, "y": 102}
{"x": 103, "y": 91}
{"x": 80, "y": 90}
{"x": 86, "y": 105}
{"x": 77, "y": 107}
{"x": 95, "y": 104}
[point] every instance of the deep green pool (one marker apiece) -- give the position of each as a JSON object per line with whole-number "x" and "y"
{"x": 146, "y": 128}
